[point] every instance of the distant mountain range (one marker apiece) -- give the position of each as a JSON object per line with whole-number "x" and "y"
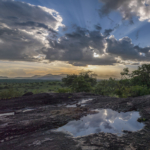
{"x": 3, "y": 77}
{"x": 45, "y": 77}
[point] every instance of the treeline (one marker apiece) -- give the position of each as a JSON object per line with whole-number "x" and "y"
{"x": 17, "y": 89}
{"x": 136, "y": 83}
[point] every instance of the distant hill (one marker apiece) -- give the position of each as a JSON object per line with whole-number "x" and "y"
{"x": 45, "y": 77}
{"x": 3, "y": 77}
{"x": 52, "y": 77}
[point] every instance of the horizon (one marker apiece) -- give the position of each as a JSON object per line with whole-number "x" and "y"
{"x": 40, "y": 37}
{"x": 52, "y": 75}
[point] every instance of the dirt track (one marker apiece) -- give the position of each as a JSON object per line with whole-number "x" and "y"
{"x": 30, "y": 129}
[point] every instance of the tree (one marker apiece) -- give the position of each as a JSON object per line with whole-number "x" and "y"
{"x": 81, "y": 85}
{"x": 125, "y": 73}
{"x": 141, "y": 76}
{"x": 89, "y": 76}
{"x": 69, "y": 79}
{"x": 82, "y": 82}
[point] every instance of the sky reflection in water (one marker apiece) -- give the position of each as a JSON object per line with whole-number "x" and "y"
{"x": 106, "y": 120}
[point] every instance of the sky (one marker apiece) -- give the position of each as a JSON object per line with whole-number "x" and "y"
{"x": 39, "y": 37}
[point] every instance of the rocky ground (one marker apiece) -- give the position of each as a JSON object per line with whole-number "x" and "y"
{"x": 32, "y": 117}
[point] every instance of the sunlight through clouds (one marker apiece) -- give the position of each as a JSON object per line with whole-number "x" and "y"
{"x": 73, "y": 36}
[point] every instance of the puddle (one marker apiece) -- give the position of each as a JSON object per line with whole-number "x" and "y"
{"x": 24, "y": 110}
{"x": 28, "y": 109}
{"x": 106, "y": 120}
{"x": 7, "y": 114}
{"x": 82, "y": 102}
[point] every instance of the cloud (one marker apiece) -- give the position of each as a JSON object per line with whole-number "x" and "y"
{"x": 98, "y": 27}
{"x": 18, "y": 45}
{"x": 127, "y": 8}
{"x": 30, "y": 33}
{"x": 83, "y": 47}
{"x": 78, "y": 48}
{"x": 17, "y": 14}
{"x": 126, "y": 50}
{"x": 107, "y": 32}
{"x": 24, "y": 29}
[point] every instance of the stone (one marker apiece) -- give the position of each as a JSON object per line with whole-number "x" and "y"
{"x": 147, "y": 110}
{"x": 28, "y": 94}
{"x": 2, "y": 141}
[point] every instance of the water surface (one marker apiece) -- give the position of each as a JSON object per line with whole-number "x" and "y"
{"x": 81, "y": 102}
{"x": 106, "y": 120}
{"x": 7, "y": 114}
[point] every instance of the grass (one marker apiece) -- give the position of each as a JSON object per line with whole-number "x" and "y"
{"x": 142, "y": 119}
{"x": 10, "y": 89}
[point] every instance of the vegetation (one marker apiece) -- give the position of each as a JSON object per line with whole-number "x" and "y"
{"x": 64, "y": 90}
{"x": 18, "y": 87}
{"x": 142, "y": 119}
{"x": 10, "y": 93}
{"x": 80, "y": 83}
{"x": 136, "y": 83}
{"x": 132, "y": 84}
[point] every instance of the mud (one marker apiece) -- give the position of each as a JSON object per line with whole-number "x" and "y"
{"x": 37, "y": 116}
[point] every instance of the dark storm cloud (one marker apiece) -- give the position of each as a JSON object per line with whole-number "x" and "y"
{"x": 135, "y": 64}
{"x": 142, "y": 50}
{"x": 125, "y": 49}
{"x": 78, "y": 48}
{"x": 18, "y": 13}
{"x": 17, "y": 45}
{"x": 27, "y": 31}
{"x": 98, "y": 27}
{"x": 32, "y": 24}
{"x": 127, "y": 8}
{"x": 38, "y": 32}
{"x": 22, "y": 29}
{"x": 110, "y": 5}
{"x": 107, "y": 32}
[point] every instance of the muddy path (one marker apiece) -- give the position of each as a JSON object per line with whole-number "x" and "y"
{"x": 30, "y": 122}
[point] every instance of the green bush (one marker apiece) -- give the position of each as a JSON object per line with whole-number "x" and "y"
{"x": 132, "y": 91}
{"x": 81, "y": 85}
{"x": 64, "y": 90}
{"x": 10, "y": 93}
{"x": 137, "y": 90}
{"x": 106, "y": 87}
{"x": 119, "y": 92}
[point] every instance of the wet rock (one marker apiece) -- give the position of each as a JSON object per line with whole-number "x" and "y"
{"x": 31, "y": 130}
{"x": 106, "y": 145}
{"x": 129, "y": 104}
{"x": 132, "y": 147}
{"x": 147, "y": 110}
{"x": 142, "y": 119}
{"x": 78, "y": 105}
{"x": 28, "y": 94}
{"x": 2, "y": 141}
{"x": 125, "y": 131}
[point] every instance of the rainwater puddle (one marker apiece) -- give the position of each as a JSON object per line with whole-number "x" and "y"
{"x": 82, "y": 102}
{"x": 7, "y": 114}
{"x": 28, "y": 109}
{"x": 24, "y": 110}
{"x": 106, "y": 120}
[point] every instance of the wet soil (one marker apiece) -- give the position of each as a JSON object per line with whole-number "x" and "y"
{"x": 36, "y": 116}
